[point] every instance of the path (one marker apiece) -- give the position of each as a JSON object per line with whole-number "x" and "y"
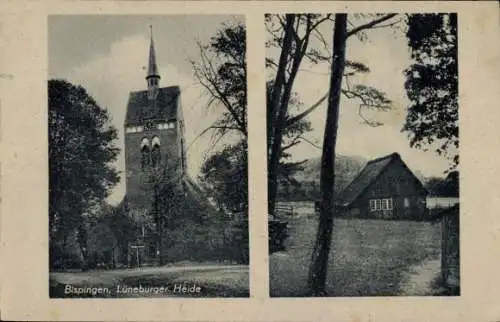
{"x": 421, "y": 279}
{"x": 217, "y": 280}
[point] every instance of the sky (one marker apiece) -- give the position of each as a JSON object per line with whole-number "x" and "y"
{"x": 107, "y": 56}
{"x": 386, "y": 53}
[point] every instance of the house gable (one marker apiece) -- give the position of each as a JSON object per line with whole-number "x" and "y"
{"x": 390, "y": 167}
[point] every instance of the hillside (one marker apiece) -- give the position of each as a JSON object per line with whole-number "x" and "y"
{"x": 307, "y": 180}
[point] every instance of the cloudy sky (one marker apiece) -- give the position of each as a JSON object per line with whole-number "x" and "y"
{"x": 386, "y": 53}
{"x": 107, "y": 56}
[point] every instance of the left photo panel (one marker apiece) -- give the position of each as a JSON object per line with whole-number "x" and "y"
{"x": 147, "y": 133}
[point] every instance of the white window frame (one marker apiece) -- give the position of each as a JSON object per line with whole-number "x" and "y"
{"x": 385, "y": 204}
{"x": 381, "y": 204}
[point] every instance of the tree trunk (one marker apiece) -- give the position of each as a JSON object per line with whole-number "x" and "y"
{"x": 319, "y": 260}
{"x": 160, "y": 230}
{"x": 277, "y": 114}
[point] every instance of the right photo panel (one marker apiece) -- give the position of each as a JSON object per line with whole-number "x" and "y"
{"x": 363, "y": 154}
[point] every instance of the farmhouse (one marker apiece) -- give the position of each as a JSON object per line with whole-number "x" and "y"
{"x": 386, "y": 189}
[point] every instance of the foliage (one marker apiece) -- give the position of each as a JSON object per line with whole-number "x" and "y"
{"x": 299, "y": 38}
{"x": 81, "y": 150}
{"x": 292, "y": 136}
{"x": 221, "y": 70}
{"x": 448, "y": 187}
{"x": 225, "y": 176}
{"x": 432, "y": 84}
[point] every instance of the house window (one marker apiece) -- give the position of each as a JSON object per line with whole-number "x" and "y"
{"x": 381, "y": 204}
{"x": 385, "y": 204}
{"x": 406, "y": 202}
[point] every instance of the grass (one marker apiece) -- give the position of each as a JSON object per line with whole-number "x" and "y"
{"x": 368, "y": 257}
{"x": 214, "y": 281}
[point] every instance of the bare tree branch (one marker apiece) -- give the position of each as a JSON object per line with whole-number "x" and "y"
{"x": 300, "y": 116}
{"x": 310, "y": 142}
{"x": 370, "y": 24}
{"x": 208, "y": 74}
{"x": 212, "y": 127}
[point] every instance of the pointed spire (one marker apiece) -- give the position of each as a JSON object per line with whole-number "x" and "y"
{"x": 152, "y": 67}
{"x": 152, "y": 76}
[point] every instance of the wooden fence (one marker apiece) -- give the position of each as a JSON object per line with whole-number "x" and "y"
{"x": 283, "y": 210}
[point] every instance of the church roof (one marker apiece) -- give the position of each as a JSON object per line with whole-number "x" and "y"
{"x": 140, "y": 108}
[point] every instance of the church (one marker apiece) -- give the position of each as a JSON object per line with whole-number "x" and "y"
{"x": 155, "y": 153}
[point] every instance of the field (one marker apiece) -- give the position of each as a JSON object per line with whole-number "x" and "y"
{"x": 368, "y": 257}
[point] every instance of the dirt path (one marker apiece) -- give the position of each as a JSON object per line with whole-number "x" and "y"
{"x": 420, "y": 280}
{"x": 215, "y": 280}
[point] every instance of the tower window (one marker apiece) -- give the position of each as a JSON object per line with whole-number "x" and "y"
{"x": 144, "y": 143}
{"x": 144, "y": 153}
{"x": 155, "y": 156}
{"x": 156, "y": 141}
{"x": 144, "y": 157}
{"x": 155, "y": 151}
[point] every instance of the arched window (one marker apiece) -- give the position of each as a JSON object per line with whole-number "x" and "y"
{"x": 145, "y": 149}
{"x": 144, "y": 143}
{"x": 155, "y": 141}
{"x": 155, "y": 151}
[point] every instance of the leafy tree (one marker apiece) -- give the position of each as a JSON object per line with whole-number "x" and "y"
{"x": 432, "y": 84}
{"x": 221, "y": 70}
{"x": 225, "y": 177}
{"x": 81, "y": 150}
{"x": 163, "y": 186}
{"x": 293, "y": 135}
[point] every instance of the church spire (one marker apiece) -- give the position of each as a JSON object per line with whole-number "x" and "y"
{"x": 152, "y": 77}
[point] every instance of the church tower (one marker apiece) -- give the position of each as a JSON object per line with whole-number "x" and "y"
{"x": 154, "y": 134}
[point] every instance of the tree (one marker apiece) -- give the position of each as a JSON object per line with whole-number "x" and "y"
{"x": 81, "y": 150}
{"x": 224, "y": 175}
{"x": 293, "y": 35}
{"x": 432, "y": 84}
{"x": 221, "y": 70}
{"x": 321, "y": 251}
{"x": 293, "y": 135}
{"x": 164, "y": 188}
{"x": 319, "y": 263}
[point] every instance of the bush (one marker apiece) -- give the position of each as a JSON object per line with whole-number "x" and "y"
{"x": 278, "y": 233}
{"x": 62, "y": 259}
